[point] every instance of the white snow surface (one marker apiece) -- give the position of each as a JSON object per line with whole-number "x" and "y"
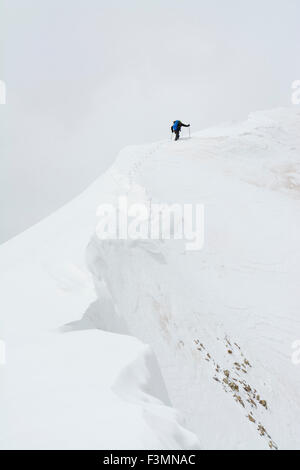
{"x": 209, "y": 332}
{"x": 221, "y": 321}
{"x": 66, "y": 389}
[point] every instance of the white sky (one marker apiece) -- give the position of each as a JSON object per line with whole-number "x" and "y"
{"x": 86, "y": 77}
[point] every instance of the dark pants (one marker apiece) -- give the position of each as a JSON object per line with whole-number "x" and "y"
{"x": 177, "y": 134}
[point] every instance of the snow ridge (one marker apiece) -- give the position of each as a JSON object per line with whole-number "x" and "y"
{"x": 221, "y": 322}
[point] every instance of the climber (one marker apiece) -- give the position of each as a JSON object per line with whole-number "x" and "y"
{"x": 176, "y": 128}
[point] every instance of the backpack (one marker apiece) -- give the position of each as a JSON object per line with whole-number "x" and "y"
{"x": 176, "y": 125}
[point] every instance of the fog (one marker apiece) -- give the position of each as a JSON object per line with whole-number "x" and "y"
{"x": 84, "y": 78}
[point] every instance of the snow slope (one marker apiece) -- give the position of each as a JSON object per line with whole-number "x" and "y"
{"x": 221, "y": 321}
{"x": 62, "y": 389}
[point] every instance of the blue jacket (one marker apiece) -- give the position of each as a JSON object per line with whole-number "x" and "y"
{"x": 177, "y": 125}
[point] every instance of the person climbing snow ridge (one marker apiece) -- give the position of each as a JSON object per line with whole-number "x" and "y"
{"x": 176, "y": 128}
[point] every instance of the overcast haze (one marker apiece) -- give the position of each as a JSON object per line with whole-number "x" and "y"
{"x": 86, "y": 77}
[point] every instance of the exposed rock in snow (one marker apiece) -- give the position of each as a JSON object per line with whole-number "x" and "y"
{"x": 221, "y": 321}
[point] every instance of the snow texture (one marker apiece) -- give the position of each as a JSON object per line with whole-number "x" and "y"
{"x": 221, "y": 321}
{"x": 206, "y": 333}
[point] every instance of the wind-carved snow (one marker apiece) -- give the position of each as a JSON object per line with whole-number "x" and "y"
{"x": 66, "y": 384}
{"x": 221, "y": 321}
